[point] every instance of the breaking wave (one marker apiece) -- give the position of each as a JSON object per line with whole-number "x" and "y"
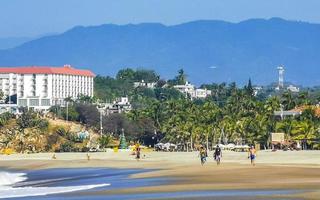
{"x": 8, "y": 189}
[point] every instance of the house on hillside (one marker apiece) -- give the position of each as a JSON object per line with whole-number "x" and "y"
{"x": 190, "y": 90}
{"x": 142, "y": 83}
{"x": 292, "y": 88}
{"x": 202, "y": 93}
{"x": 121, "y": 105}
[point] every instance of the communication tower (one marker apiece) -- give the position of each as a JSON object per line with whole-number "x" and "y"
{"x": 281, "y": 77}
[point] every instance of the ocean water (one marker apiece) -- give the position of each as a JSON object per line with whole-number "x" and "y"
{"x": 66, "y": 183}
{"x": 80, "y": 184}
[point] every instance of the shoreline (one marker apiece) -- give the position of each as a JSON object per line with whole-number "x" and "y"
{"x": 274, "y": 170}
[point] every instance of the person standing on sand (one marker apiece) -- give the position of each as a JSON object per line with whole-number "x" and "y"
{"x": 138, "y": 151}
{"x": 252, "y": 155}
{"x": 217, "y": 155}
{"x": 203, "y": 155}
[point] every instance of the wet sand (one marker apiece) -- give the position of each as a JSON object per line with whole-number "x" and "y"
{"x": 294, "y": 171}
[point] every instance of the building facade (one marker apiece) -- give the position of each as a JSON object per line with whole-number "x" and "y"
{"x": 192, "y": 91}
{"x": 43, "y": 87}
{"x": 144, "y": 84}
{"x": 292, "y": 88}
{"x": 121, "y": 105}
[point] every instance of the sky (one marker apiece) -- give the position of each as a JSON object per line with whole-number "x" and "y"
{"x": 30, "y": 18}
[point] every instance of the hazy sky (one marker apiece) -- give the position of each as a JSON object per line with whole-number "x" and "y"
{"x": 36, "y": 17}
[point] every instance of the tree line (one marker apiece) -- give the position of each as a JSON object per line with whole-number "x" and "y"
{"x": 164, "y": 114}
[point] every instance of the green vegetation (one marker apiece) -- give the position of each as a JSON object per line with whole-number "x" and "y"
{"x": 108, "y": 88}
{"x": 4, "y": 118}
{"x": 231, "y": 111}
{"x": 232, "y": 114}
{"x": 105, "y": 141}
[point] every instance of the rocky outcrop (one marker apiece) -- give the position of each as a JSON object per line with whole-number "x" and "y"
{"x": 34, "y": 140}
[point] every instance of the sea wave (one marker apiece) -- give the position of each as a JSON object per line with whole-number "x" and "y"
{"x": 9, "y": 180}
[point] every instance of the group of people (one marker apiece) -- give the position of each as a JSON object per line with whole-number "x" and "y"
{"x": 217, "y": 155}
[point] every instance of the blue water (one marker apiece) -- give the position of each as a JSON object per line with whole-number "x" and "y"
{"x": 118, "y": 179}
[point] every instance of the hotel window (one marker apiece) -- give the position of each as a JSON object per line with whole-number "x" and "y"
{"x": 23, "y": 102}
{"x": 34, "y": 102}
{"x": 45, "y": 102}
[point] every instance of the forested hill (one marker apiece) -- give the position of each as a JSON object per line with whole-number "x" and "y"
{"x": 209, "y": 51}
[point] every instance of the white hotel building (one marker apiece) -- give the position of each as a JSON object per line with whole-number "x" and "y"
{"x": 41, "y": 87}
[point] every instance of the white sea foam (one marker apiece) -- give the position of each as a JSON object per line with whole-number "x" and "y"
{"x": 7, "y": 180}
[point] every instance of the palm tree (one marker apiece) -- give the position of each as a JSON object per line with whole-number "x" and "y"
{"x": 303, "y": 98}
{"x": 181, "y": 78}
{"x": 304, "y": 131}
{"x": 288, "y": 101}
{"x": 285, "y": 126}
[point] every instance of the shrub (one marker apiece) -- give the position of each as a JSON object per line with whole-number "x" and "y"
{"x": 105, "y": 140}
{"x": 67, "y": 146}
{"x": 85, "y": 149}
{"x": 62, "y": 132}
{"x": 42, "y": 124}
{"x": 27, "y": 119}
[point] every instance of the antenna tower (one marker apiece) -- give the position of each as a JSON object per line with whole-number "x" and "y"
{"x": 281, "y": 77}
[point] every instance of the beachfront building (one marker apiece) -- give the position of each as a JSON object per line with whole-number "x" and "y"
{"x": 190, "y": 90}
{"x": 42, "y": 87}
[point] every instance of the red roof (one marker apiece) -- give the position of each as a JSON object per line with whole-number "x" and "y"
{"x": 67, "y": 69}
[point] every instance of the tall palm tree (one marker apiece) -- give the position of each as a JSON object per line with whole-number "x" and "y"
{"x": 304, "y": 131}
{"x": 288, "y": 101}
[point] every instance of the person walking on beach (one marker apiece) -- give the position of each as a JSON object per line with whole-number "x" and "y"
{"x": 217, "y": 155}
{"x": 203, "y": 155}
{"x": 252, "y": 155}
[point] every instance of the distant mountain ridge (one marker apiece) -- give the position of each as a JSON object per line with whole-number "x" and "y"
{"x": 208, "y": 50}
{"x": 10, "y": 42}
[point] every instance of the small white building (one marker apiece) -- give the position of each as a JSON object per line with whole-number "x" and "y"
{"x": 256, "y": 90}
{"x": 202, "y": 93}
{"x": 121, "y": 105}
{"x": 144, "y": 84}
{"x": 42, "y": 87}
{"x": 293, "y": 88}
{"x": 186, "y": 89}
{"x": 189, "y": 89}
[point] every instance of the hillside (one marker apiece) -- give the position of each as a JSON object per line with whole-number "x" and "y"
{"x": 209, "y": 51}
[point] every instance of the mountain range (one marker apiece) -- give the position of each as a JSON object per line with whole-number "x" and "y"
{"x": 10, "y": 42}
{"x": 208, "y": 50}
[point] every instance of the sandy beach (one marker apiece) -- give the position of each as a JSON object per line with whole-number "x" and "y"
{"x": 292, "y": 170}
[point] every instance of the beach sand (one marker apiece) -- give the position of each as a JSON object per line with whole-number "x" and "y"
{"x": 289, "y": 170}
